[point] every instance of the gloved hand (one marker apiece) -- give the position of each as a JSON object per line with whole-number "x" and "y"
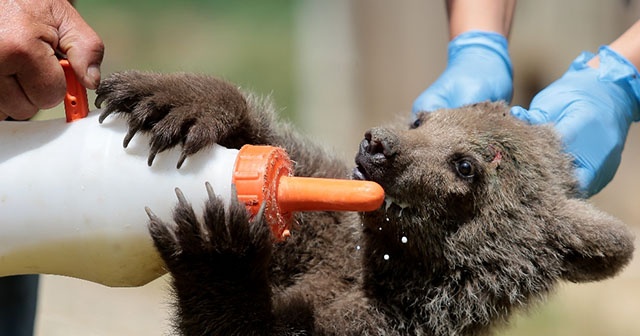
{"x": 591, "y": 110}
{"x": 478, "y": 69}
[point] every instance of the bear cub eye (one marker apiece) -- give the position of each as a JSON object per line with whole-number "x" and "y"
{"x": 420, "y": 119}
{"x": 465, "y": 168}
{"x": 416, "y": 123}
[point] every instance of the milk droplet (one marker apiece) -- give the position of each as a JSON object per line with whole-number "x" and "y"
{"x": 358, "y": 247}
{"x": 380, "y": 228}
{"x": 404, "y": 239}
{"x": 386, "y": 218}
{"x": 386, "y": 257}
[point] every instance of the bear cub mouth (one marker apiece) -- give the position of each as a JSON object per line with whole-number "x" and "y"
{"x": 369, "y": 160}
{"x": 360, "y": 173}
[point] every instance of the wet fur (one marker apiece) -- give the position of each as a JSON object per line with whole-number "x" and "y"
{"x": 481, "y": 219}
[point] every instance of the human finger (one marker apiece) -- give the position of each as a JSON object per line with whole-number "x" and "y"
{"x": 13, "y": 101}
{"x": 82, "y": 45}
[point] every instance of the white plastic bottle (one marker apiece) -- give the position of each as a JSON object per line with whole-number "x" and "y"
{"x": 73, "y": 200}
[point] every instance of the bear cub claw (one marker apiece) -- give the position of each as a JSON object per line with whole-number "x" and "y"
{"x": 171, "y": 109}
{"x": 225, "y": 236}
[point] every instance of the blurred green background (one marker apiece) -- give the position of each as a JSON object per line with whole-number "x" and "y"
{"x": 247, "y": 42}
{"x": 360, "y": 62}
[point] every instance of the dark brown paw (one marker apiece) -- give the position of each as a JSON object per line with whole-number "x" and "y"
{"x": 194, "y": 111}
{"x": 223, "y": 243}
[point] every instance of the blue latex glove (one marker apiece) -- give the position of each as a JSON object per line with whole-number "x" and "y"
{"x": 478, "y": 69}
{"x": 592, "y": 110}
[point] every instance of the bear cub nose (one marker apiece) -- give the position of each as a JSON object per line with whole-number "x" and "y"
{"x": 379, "y": 143}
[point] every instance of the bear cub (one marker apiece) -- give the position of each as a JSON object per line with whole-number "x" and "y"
{"x": 482, "y": 218}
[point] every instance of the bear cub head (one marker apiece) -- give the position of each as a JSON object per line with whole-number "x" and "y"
{"x": 482, "y": 215}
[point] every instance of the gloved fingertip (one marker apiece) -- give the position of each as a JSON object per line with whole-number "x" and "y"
{"x": 419, "y": 106}
{"x": 428, "y": 103}
{"x": 586, "y": 182}
{"x": 532, "y": 116}
{"x": 416, "y": 108}
{"x": 520, "y": 113}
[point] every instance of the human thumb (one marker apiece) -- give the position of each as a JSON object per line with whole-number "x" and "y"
{"x": 81, "y": 44}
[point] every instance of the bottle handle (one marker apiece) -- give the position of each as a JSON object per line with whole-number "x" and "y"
{"x": 76, "y": 105}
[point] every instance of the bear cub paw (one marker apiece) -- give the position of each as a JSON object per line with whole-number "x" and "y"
{"x": 225, "y": 244}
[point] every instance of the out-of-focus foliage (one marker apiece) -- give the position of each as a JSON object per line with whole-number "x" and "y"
{"x": 247, "y": 42}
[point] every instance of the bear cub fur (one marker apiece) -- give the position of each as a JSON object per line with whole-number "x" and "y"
{"x": 481, "y": 218}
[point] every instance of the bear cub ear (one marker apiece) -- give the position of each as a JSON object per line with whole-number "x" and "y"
{"x": 594, "y": 245}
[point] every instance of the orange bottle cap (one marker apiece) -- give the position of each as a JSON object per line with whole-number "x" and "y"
{"x": 264, "y": 174}
{"x": 256, "y": 174}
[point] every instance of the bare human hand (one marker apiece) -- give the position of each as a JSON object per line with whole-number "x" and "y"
{"x": 31, "y": 31}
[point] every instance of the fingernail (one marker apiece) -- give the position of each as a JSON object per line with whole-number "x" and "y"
{"x": 93, "y": 75}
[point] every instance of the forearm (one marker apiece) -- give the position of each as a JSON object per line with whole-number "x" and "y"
{"x": 487, "y": 15}
{"x": 627, "y": 45}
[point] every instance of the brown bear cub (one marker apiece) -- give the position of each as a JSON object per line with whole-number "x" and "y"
{"x": 481, "y": 218}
